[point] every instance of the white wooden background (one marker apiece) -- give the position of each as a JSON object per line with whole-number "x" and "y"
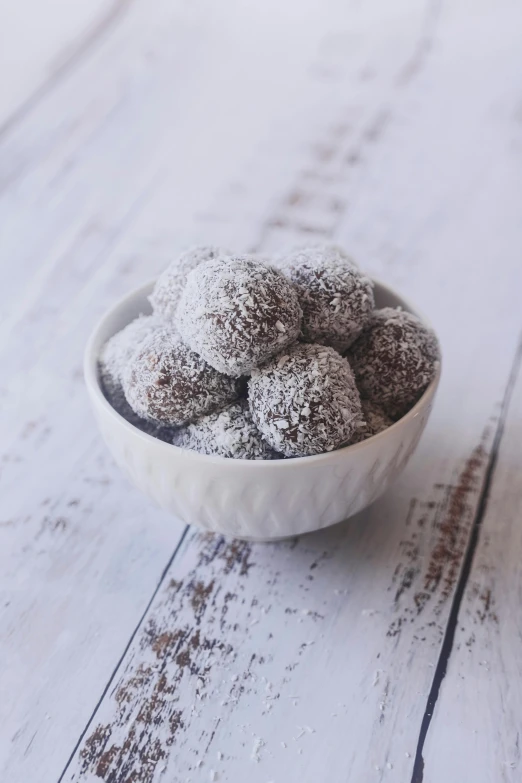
{"x": 388, "y": 648}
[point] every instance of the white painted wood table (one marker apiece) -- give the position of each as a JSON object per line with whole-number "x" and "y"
{"x": 389, "y": 648}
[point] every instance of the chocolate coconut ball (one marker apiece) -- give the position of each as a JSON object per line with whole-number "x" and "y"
{"x": 168, "y": 383}
{"x": 114, "y": 357}
{"x": 227, "y": 433}
{"x": 375, "y": 420}
{"x": 170, "y": 284}
{"x": 336, "y": 298}
{"x": 120, "y": 348}
{"x": 116, "y": 354}
{"x": 238, "y": 312}
{"x": 305, "y": 401}
{"x": 394, "y": 360}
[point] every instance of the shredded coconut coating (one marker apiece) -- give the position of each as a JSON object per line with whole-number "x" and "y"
{"x": 375, "y": 420}
{"x": 170, "y": 284}
{"x": 305, "y": 401}
{"x": 237, "y": 313}
{"x": 121, "y": 406}
{"x": 115, "y": 396}
{"x": 228, "y": 433}
{"x": 116, "y": 354}
{"x": 119, "y": 349}
{"x": 336, "y": 298}
{"x": 280, "y": 259}
{"x": 170, "y": 384}
{"x": 394, "y": 360}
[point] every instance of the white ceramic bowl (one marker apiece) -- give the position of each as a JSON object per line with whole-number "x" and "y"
{"x": 245, "y": 498}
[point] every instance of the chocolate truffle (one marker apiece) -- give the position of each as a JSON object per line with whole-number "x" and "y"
{"x": 170, "y": 284}
{"x": 116, "y": 354}
{"x": 394, "y": 360}
{"x": 375, "y": 421}
{"x": 168, "y": 383}
{"x": 336, "y": 298}
{"x": 237, "y": 312}
{"x": 305, "y": 401}
{"x": 227, "y": 433}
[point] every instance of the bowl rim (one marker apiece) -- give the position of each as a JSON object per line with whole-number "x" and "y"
{"x": 92, "y": 381}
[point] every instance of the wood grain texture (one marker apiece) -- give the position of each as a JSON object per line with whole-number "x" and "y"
{"x": 476, "y": 726}
{"x": 40, "y": 43}
{"x": 80, "y": 554}
{"x": 395, "y": 130}
{"x": 287, "y": 621}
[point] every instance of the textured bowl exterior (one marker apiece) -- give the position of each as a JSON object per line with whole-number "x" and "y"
{"x": 258, "y": 500}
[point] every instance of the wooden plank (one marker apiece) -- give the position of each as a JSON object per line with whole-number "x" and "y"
{"x": 314, "y": 659}
{"x": 475, "y": 728}
{"x": 80, "y": 554}
{"x": 154, "y": 84}
{"x": 40, "y": 42}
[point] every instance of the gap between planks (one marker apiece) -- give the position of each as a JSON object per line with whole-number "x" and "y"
{"x": 371, "y": 128}
{"x": 451, "y": 627}
{"x": 125, "y": 651}
{"x": 449, "y": 632}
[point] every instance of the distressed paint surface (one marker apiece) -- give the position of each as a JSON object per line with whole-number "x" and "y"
{"x": 36, "y": 56}
{"x": 476, "y": 727}
{"x": 395, "y": 130}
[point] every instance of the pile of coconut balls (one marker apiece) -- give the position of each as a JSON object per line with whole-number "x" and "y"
{"x": 251, "y": 359}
